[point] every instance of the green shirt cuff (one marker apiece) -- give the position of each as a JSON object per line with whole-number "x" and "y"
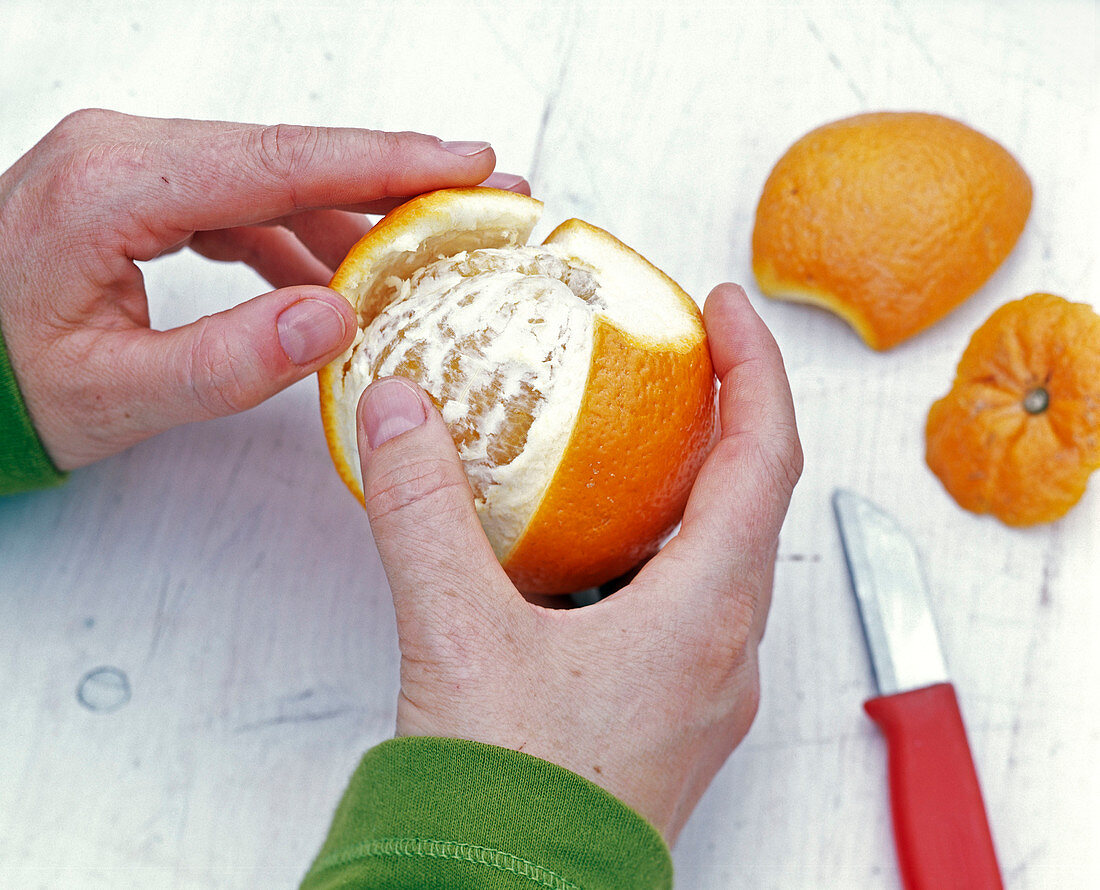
{"x": 24, "y": 464}
{"x": 432, "y": 813}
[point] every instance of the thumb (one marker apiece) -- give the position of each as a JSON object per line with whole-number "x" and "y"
{"x": 420, "y": 504}
{"x": 232, "y": 361}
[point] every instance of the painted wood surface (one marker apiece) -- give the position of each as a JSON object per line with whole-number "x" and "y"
{"x": 196, "y": 642}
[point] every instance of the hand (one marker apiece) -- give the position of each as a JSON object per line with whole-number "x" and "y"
{"x": 646, "y": 692}
{"x": 103, "y": 190}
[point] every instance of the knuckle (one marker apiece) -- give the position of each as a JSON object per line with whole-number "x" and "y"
{"x": 88, "y": 155}
{"x": 776, "y": 459}
{"x": 431, "y": 487}
{"x": 748, "y": 695}
{"x": 727, "y": 652}
{"x": 727, "y": 670}
{"x": 450, "y": 642}
{"x": 79, "y": 125}
{"x": 86, "y": 172}
{"x": 795, "y": 459}
{"x": 281, "y": 150}
{"x": 386, "y": 147}
{"x": 215, "y": 375}
{"x": 389, "y": 155}
{"x": 795, "y": 467}
{"x": 785, "y": 464}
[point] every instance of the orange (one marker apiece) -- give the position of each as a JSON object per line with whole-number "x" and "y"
{"x": 575, "y": 377}
{"x": 890, "y": 220}
{"x": 1019, "y": 432}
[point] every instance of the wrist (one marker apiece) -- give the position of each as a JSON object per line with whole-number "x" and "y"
{"x": 24, "y": 462}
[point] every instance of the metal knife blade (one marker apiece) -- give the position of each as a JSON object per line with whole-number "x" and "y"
{"x": 893, "y": 600}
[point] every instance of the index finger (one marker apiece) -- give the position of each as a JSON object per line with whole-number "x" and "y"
{"x": 175, "y": 177}
{"x": 251, "y": 174}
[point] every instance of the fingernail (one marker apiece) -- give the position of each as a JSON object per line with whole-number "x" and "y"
{"x": 389, "y": 408}
{"x": 466, "y": 149}
{"x": 309, "y": 329}
{"x": 506, "y": 181}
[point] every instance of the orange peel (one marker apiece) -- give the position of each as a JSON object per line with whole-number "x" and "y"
{"x": 1019, "y": 432}
{"x": 889, "y": 220}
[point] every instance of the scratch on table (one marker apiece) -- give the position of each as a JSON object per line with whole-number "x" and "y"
{"x": 1045, "y": 597}
{"x": 303, "y": 717}
{"x": 290, "y": 709}
{"x": 835, "y": 61}
{"x": 1014, "y": 872}
{"x": 515, "y": 55}
{"x": 244, "y": 529}
{"x": 158, "y": 620}
{"x": 1047, "y": 576}
{"x": 798, "y": 557}
{"x": 922, "y": 49}
{"x": 552, "y": 100}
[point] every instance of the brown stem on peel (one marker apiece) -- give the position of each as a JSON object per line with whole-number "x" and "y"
{"x": 1036, "y": 401}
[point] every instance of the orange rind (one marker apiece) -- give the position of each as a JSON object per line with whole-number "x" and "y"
{"x": 1019, "y": 432}
{"x": 889, "y": 220}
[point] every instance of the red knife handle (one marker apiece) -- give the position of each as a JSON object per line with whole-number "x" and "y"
{"x": 940, "y": 825}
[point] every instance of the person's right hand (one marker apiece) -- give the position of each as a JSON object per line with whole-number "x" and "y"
{"x": 103, "y": 190}
{"x": 644, "y": 693}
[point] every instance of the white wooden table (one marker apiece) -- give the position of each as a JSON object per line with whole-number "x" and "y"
{"x": 225, "y": 587}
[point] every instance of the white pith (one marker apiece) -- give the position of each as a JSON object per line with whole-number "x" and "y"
{"x": 531, "y": 329}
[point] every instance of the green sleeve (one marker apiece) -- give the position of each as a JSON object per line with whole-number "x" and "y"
{"x": 444, "y": 814}
{"x": 24, "y": 464}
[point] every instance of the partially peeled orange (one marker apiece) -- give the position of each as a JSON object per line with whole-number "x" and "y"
{"x": 574, "y": 376}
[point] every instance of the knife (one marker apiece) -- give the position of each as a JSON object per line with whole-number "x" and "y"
{"x": 940, "y": 826}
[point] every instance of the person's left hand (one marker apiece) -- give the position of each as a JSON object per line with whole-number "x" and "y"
{"x": 103, "y": 190}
